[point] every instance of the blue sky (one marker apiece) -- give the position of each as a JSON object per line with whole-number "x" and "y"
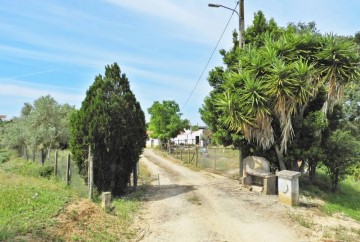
{"x": 58, "y": 47}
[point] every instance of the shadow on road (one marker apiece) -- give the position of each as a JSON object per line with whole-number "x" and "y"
{"x": 156, "y": 192}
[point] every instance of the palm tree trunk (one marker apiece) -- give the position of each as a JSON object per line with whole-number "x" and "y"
{"x": 280, "y": 156}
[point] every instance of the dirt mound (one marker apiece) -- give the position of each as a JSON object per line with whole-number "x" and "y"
{"x": 84, "y": 220}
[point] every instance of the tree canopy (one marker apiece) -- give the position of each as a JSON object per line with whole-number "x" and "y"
{"x": 283, "y": 77}
{"x": 165, "y": 120}
{"x": 43, "y": 124}
{"x": 112, "y": 123}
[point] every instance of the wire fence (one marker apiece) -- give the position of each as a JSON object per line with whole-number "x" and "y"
{"x": 223, "y": 160}
{"x": 59, "y": 164}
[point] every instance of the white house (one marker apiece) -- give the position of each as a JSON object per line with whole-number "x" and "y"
{"x": 190, "y": 137}
{"x": 185, "y": 137}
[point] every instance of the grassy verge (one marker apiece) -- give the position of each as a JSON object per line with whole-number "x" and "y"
{"x": 27, "y": 203}
{"x": 345, "y": 201}
{"x": 34, "y": 206}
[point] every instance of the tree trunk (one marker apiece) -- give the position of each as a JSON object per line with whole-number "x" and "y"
{"x": 113, "y": 168}
{"x": 25, "y": 153}
{"x": 334, "y": 181}
{"x": 312, "y": 170}
{"x": 42, "y": 156}
{"x": 34, "y": 154}
{"x": 280, "y": 157}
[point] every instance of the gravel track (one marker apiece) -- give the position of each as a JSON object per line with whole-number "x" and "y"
{"x": 200, "y": 206}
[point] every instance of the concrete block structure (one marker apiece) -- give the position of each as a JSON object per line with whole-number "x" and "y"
{"x": 288, "y": 187}
{"x": 257, "y": 172}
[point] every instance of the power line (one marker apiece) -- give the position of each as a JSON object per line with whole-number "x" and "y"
{"x": 212, "y": 54}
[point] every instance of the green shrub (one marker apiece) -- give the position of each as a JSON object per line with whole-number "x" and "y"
{"x": 4, "y": 156}
{"x": 356, "y": 172}
{"x": 46, "y": 171}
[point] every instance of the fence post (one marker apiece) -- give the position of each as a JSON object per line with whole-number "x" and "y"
{"x": 90, "y": 173}
{"x": 56, "y": 163}
{"x": 42, "y": 156}
{"x": 215, "y": 158}
{"x": 240, "y": 164}
{"x": 25, "y": 154}
{"x": 34, "y": 153}
{"x": 135, "y": 176}
{"x": 106, "y": 201}
{"x": 197, "y": 155}
{"x": 189, "y": 154}
{"x": 68, "y": 175}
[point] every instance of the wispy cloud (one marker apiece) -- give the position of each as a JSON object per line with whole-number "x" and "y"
{"x": 31, "y": 74}
{"x": 30, "y": 93}
{"x": 190, "y": 16}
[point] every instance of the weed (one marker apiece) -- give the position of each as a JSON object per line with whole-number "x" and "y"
{"x": 327, "y": 233}
{"x": 305, "y": 222}
{"x": 342, "y": 234}
{"x": 194, "y": 199}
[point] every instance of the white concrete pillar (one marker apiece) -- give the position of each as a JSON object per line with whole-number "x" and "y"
{"x": 288, "y": 187}
{"x": 106, "y": 201}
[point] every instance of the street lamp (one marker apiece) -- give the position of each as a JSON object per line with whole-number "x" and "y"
{"x": 241, "y": 19}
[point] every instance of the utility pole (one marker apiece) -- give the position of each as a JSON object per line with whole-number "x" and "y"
{"x": 241, "y": 24}
{"x": 241, "y": 45}
{"x": 241, "y": 19}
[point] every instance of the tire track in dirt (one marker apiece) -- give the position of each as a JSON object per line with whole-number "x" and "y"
{"x": 195, "y": 206}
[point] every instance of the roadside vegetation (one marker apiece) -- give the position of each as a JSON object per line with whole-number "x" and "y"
{"x": 344, "y": 202}
{"x": 35, "y": 206}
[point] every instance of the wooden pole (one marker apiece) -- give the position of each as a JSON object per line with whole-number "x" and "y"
{"x": 189, "y": 154}
{"x": 56, "y": 163}
{"x": 215, "y": 159}
{"x": 197, "y": 155}
{"x": 240, "y": 163}
{"x": 91, "y": 173}
{"x": 68, "y": 175}
{"x": 42, "y": 156}
{"x": 241, "y": 24}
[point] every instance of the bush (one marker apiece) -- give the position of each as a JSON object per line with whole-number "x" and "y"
{"x": 356, "y": 173}
{"x": 4, "y": 156}
{"x": 46, "y": 171}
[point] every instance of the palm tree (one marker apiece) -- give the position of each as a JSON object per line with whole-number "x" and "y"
{"x": 272, "y": 83}
{"x": 338, "y": 61}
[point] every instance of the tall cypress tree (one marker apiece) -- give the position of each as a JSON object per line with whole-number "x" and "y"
{"x": 112, "y": 122}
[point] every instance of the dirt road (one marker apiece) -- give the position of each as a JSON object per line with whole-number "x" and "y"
{"x": 199, "y": 206}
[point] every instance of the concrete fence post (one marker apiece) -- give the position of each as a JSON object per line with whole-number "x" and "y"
{"x": 106, "y": 201}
